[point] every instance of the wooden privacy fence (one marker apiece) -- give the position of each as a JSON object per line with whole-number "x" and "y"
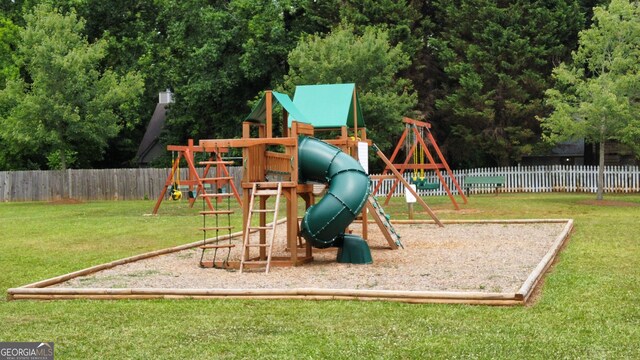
{"x": 99, "y": 184}
{"x": 542, "y": 178}
{"x": 135, "y": 184}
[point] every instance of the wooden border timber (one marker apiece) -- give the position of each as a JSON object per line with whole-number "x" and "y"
{"x": 526, "y": 290}
{"x": 41, "y": 291}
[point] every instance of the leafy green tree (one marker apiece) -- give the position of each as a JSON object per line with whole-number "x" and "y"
{"x": 11, "y": 10}
{"x": 216, "y": 56}
{"x": 8, "y": 43}
{"x": 371, "y": 63}
{"x": 130, "y": 30}
{"x": 496, "y": 57}
{"x": 597, "y": 94}
{"x": 65, "y": 107}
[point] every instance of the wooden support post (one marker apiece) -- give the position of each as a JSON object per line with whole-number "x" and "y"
{"x": 392, "y": 158}
{"x": 285, "y": 123}
{"x": 404, "y": 166}
{"x": 192, "y": 175}
{"x": 365, "y": 224}
{"x": 432, "y": 161}
{"x": 355, "y": 113}
{"x": 189, "y": 158}
{"x": 407, "y": 185}
{"x": 167, "y": 182}
{"x": 446, "y": 166}
{"x": 292, "y": 223}
{"x": 269, "y": 127}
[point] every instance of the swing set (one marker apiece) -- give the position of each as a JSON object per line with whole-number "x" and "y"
{"x": 414, "y": 140}
{"x": 194, "y": 184}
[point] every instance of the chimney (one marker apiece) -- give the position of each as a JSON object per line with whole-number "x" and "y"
{"x": 165, "y": 97}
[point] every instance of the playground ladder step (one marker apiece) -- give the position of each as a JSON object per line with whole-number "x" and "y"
{"x": 216, "y": 212}
{"x": 216, "y": 228}
{"x": 257, "y": 262}
{"x": 267, "y": 192}
{"x": 214, "y": 179}
{"x": 260, "y": 227}
{"x": 203, "y": 247}
{"x": 219, "y": 162}
{"x": 268, "y": 245}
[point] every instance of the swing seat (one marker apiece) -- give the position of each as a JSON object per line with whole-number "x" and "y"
{"x": 176, "y": 194}
{"x": 424, "y": 184}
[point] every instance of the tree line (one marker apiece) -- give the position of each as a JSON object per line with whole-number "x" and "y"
{"x": 79, "y": 78}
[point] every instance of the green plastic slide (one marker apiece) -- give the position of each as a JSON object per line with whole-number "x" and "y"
{"x": 324, "y": 223}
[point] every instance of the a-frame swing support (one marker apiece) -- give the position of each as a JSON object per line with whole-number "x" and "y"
{"x": 399, "y": 178}
{"x": 413, "y": 125}
{"x": 195, "y": 181}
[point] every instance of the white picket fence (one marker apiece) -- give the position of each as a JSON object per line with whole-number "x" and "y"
{"x": 558, "y": 178}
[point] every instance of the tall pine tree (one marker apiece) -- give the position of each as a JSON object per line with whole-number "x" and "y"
{"x": 497, "y": 57}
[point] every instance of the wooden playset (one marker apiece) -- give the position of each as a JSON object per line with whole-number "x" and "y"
{"x": 283, "y": 164}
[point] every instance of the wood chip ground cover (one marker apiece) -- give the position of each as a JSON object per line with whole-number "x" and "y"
{"x": 457, "y": 257}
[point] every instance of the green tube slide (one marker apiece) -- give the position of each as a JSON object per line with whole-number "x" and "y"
{"x": 324, "y": 223}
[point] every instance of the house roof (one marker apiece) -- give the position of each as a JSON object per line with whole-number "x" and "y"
{"x": 147, "y": 149}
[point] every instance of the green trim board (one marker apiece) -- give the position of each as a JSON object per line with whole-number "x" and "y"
{"x": 328, "y": 105}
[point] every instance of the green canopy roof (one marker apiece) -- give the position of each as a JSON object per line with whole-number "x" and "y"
{"x": 328, "y": 105}
{"x": 259, "y": 112}
{"x": 323, "y": 106}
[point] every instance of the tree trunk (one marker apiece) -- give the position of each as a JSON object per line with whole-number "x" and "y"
{"x": 600, "y": 192}
{"x": 63, "y": 160}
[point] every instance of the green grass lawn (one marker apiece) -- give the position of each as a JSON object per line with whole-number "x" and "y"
{"x": 588, "y": 308}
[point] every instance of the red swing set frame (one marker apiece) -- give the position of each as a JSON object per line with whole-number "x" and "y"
{"x": 418, "y": 128}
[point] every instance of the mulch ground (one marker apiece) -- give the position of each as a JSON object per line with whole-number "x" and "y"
{"x": 457, "y": 257}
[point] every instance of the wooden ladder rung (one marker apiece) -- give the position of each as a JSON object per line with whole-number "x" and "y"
{"x": 216, "y": 212}
{"x": 222, "y": 162}
{"x": 264, "y": 210}
{"x": 216, "y": 228}
{"x": 257, "y": 245}
{"x": 255, "y": 262}
{"x": 212, "y": 179}
{"x": 266, "y": 192}
{"x": 217, "y": 246}
{"x": 260, "y": 227}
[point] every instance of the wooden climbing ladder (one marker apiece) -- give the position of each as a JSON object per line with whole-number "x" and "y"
{"x": 218, "y": 183}
{"x": 262, "y": 190}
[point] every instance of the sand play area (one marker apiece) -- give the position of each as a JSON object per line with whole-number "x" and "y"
{"x": 494, "y": 262}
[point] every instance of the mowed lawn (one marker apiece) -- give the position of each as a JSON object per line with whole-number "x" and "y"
{"x": 589, "y": 306}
